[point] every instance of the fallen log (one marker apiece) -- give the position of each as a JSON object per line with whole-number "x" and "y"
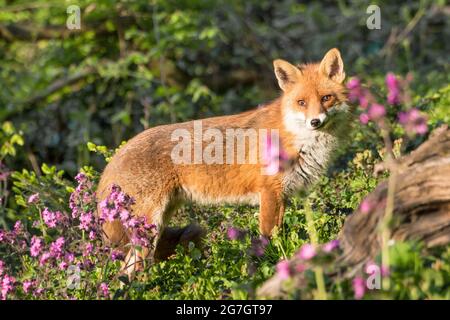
{"x": 421, "y": 211}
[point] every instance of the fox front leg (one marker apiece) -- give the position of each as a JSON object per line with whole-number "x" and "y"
{"x": 271, "y": 211}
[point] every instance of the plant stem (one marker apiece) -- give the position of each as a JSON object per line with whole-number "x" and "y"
{"x": 385, "y": 224}
{"x": 318, "y": 271}
{"x": 44, "y": 233}
{"x": 386, "y": 220}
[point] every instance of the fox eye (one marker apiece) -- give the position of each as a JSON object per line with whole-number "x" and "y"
{"x": 326, "y": 98}
{"x": 302, "y": 103}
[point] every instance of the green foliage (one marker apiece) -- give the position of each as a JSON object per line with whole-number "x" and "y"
{"x": 9, "y": 139}
{"x": 69, "y": 98}
{"x": 137, "y": 64}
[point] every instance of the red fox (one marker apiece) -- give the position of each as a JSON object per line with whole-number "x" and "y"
{"x": 311, "y": 118}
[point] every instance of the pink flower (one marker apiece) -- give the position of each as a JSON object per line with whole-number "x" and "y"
{"x": 2, "y": 267}
{"x": 393, "y": 86}
{"x": 124, "y": 215}
{"x": 82, "y": 196}
{"x": 85, "y": 221}
{"x": 283, "y": 270}
{"x": 364, "y": 99}
{"x": 69, "y": 257}
{"x": 365, "y": 206}
{"x": 330, "y": 246}
{"x": 80, "y": 177}
{"x": 258, "y": 246}
{"x": 104, "y": 289}
{"x": 45, "y": 257}
{"x": 88, "y": 249}
{"x": 4, "y": 173}
{"x": 376, "y": 111}
{"x": 354, "y": 83}
{"x": 51, "y": 218}
{"x": 117, "y": 205}
{"x": 307, "y": 252}
{"x": 385, "y": 271}
{"x": 413, "y": 122}
{"x": 275, "y": 159}
{"x": 33, "y": 198}
{"x": 300, "y": 267}
{"x": 6, "y": 285}
{"x": 364, "y": 118}
{"x": 38, "y": 291}
{"x": 117, "y": 255}
{"x": 18, "y": 227}
{"x": 36, "y": 246}
{"x": 358, "y": 93}
{"x": 27, "y": 285}
{"x": 234, "y": 233}
{"x": 359, "y": 287}
{"x": 63, "y": 265}
{"x": 57, "y": 247}
{"x": 131, "y": 223}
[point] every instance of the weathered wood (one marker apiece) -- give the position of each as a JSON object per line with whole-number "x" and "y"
{"x": 422, "y": 202}
{"x": 421, "y": 210}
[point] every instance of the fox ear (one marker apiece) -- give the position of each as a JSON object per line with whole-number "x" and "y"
{"x": 332, "y": 66}
{"x": 286, "y": 73}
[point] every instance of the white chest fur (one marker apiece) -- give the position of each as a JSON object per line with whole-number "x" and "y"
{"x": 314, "y": 156}
{"x": 316, "y": 147}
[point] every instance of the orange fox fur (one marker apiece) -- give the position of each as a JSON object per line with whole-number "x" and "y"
{"x": 312, "y": 118}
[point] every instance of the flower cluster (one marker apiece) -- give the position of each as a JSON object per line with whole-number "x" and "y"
{"x": 69, "y": 240}
{"x": 412, "y": 120}
{"x": 286, "y": 269}
{"x": 117, "y": 206}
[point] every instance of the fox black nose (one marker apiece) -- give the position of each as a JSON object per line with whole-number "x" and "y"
{"x": 315, "y": 123}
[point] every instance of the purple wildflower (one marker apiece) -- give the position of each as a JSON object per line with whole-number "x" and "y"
{"x": 89, "y": 247}
{"x": 258, "y": 246}
{"x": 18, "y": 227}
{"x": 330, "y": 246}
{"x": 283, "y": 269}
{"x": 413, "y": 122}
{"x": 85, "y": 221}
{"x": 57, "y": 247}
{"x": 104, "y": 289}
{"x": 376, "y": 111}
{"x": 234, "y": 233}
{"x": 36, "y": 246}
{"x": 27, "y": 285}
{"x": 6, "y": 286}
{"x": 393, "y": 86}
{"x": 307, "y": 252}
{"x": 274, "y": 157}
{"x": 364, "y": 118}
{"x": 117, "y": 255}
{"x": 51, "y": 218}
{"x": 359, "y": 287}
{"x": 365, "y": 206}
{"x": 45, "y": 257}
{"x": 33, "y": 198}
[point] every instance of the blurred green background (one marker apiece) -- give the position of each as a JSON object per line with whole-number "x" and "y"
{"x": 136, "y": 64}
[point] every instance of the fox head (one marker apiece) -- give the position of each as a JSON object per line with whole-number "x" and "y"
{"x": 312, "y": 93}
